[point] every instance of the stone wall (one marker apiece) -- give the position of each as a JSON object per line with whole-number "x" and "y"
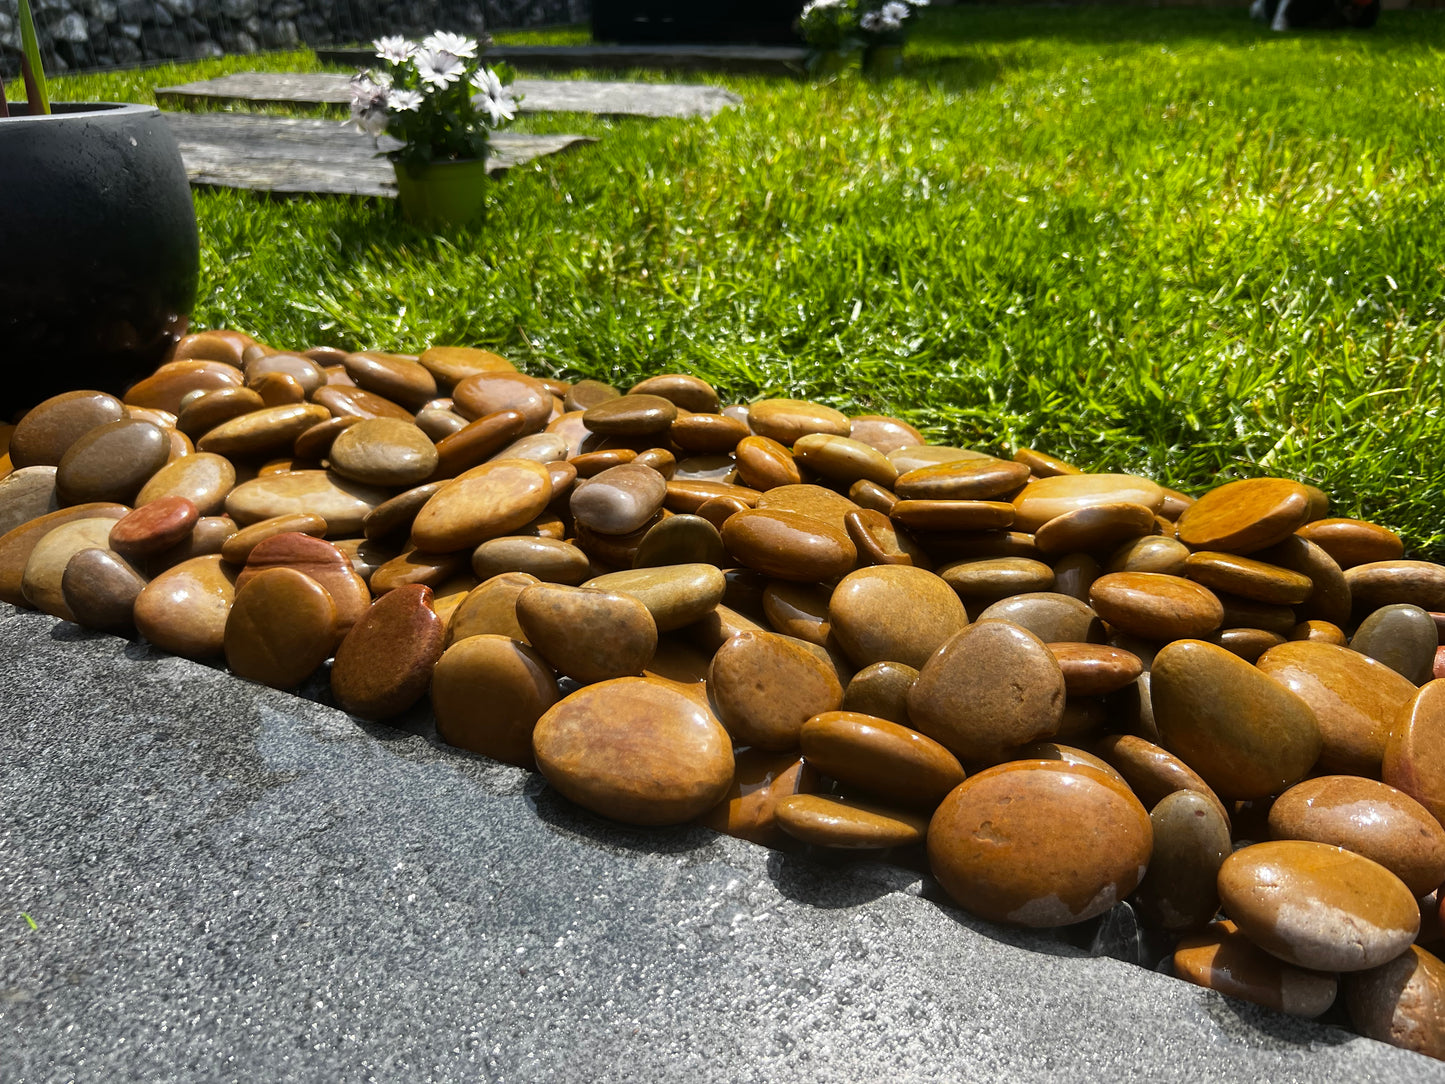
{"x": 83, "y": 34}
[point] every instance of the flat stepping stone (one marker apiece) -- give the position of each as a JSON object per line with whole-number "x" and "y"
{"x": 538, "y": 95}
{"x": 736, "y": 59}
{"x": 302, "y": 154}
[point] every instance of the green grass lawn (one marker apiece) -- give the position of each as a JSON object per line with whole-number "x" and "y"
{"x": 1163, "y": 241}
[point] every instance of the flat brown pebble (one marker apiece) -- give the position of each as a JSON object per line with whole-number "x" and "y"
{"x": 1354, "y": 541}
{"x": 1385, "y": 583}
{"x": 1053, "y": 617}
{"x": 962, "y": 480}
{"x": 1248, "y": 644}
{"x": 1401, "y": 1002}
{"x": 1323, "y": 632}
{"x": 1154, "y": 606}
{"x": 1222, "y": 959}
{"x": 707, "y": 434}
{"x": 894, "y": 613}
{"x": 111, "y": 462}
{"x": 168, "y": 385}
{"x": 843, "y": 460}
{"x": 884, "y": 433}
{"x": 988, "y": 688}
{"x": 269, "y": 431}
{"x": 619, "y": 500}
{"x": 631, "y": 416}
{"x": 342, "y": 401}
{"x": 761, "y": 780}
{"x": 416, "y": 566}
{"x": 1246, "y": 735}
{"x": 764, "y": 463}
{"x": 881, "y": 690}
{"x": 1244, "y": 516}
{"x": 675, "y": 595}
{"x": 384, "y": 452}
{"x": 810, "y": 500}
{"x": 799, "y": 610}
{"x": 398, "y": 378}
{"x": 487, "y": 693}
{"x": 1191, "y": 841}
{"x": 875, "y": 756}
{"x": 638, "y": 750}
{"x": 204, "y": 479}
{"x": 342, "y": 503}
{"x": 1369, "y": 818}
{"x": 305, "y": 371}
{"x": 17, "y": 544}
{"x": 40, "y": 583}
{"x": 913, "y": 457}
{"x": 318, "y": 559}
{"x": 46, "y": 432}
{"x": 1415, "y": 751}
{"x": 829, "y": 820}
{"x": 687, "y": 497}
{"x": 490, "y": 608}
{"x": 587, "y": 633}
{"x": 549, "y": 559}
{"x": 1039, "y": 843}
{"x": 1095, "y": 669}
{"x": 1154, "y": 773}
{"x": 488, "y": 501}
{"x": 184, "y": 609}
{"x": 208, "y": 536}
{"x": 985, "y": 580}
{"x": 27, "y": 494}
{"x": 385, "y": 663}
{"x": 1317, "y": 906}
{"x": 1099, "y": 528}
{"x": 766, "y": 686}
{"x": 789, "y": 545}
{"x": 154, "y": 527}
{"x": 281, "y": 627}
{"x": 1044, "y": 465}
{"x": 786, "y": 420}
{"x": 934, "y": 515}
{"x": 100, "y": 588}
{"x": 1403, "y": 637}
{"x": 873, "y": 497}
{"x": 1155, "y": 553}
{"x": 1354, "y": 698}
{"x": 882, "y": 542}
{"x": 477, "y": 442}
{"x": 1050, "y": 497}
{"x": 680, "y": 540}
{"x": 238, "y": 546}
{"x": 453, "y": 364}
{"x": 688, "y": 392}
{"x": 1248, "y": 578}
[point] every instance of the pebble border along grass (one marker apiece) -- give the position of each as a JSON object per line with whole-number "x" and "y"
{"x": 1067, "y": 690}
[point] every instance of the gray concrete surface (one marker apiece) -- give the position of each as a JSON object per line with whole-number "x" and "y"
{"x": 231, "y": 883}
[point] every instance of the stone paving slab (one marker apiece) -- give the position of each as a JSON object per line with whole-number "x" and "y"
{"x": 538, "y": 95}
{"x": 232, "y": 883}
{"x": 301, "y": 154}
{"x": 737, "y": 59}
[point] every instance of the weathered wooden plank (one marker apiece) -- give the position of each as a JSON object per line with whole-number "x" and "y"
{"x": 738, "y": 59}
{"x": 301, "y": 154}
{"x": 538, "y": 95}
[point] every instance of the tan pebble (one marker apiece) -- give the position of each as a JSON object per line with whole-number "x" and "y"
{"x": 391, "y": 520}
{"x": 881, "y": 690}
{"x": 1248, "y": 578}
{"x": 1095, "y": 669}
{"x": 817, "y": 502}
{"x": 207, "y": 537}
{"x": 875, "y": 756}
{"x": 27, "y": 494}
{"x": 1353, "y": 542}
{"x": 18, "y": 544}
{"x": 1097, "y": 528}
{"x": 440, "y": 422}
{"x": 1385, "y": 583}
{"x": 880, "y": 541}
{"x": 688, "y": 392}
{"x": 305, "y": 371}
{"x": 760, "y": 782}
{"x": 488, "y": 692}
{"x": 1050, "y": 497}
{"x": 619, "y": 500}
{"x": 268, "y": 431}
{"x": 686, "y": 497}
{"x": 675, "y": 595}
{"x": 827, "y": 820}
{"x": 342, "y": 503}
{"x": 1354, "y": 698}
{"x": 894, "y": 613}
{"x": 1329, "y": 599}
{"x": 365, "y": 555}
{"x": 167, "y": 386}
{"x": 1044, "y": 465}
{"x": 631, "y": 415}
{"x": 1317, "y": 906}
{"x": 1403, "y": 637}
{"x": 1067, "y": 754}
{"x": 100, "y": 589}
{"x": 342, "y": 401}
{"x": 477, "y": 442}
{"x": 1154, "y": 773}
{"x": 1052, "y": 617}
{"x": 963, "y": 480}
{"x": 985, "y": 580}
{"x": 209, "y": 409}
{"x": 799, "y": 610}
{"x": 592, "y": 463}
{"x": 239, "y": 545}
{"x": 717, "y": 510}
{"x": 767, "y": 686}
{"x": 872, "y": 497}
{"x": 319, "y": 560}
{"x": 681, "y": 540}
{"x": 1248, "y": 644}
{"x": 218, "y": 344}
{"x": 789, "y": 545}
{"x": 936, "y": 515}
{"x": 1401, "y": 1002}
{"x": 277, "y": 389}
{"x": 1243, "y": 613}
{"x": 764, "y": 463}
{"x": 588, "y": 393}
{"x": 1191, "y": 840}
{"x": 884, "y": 433}
{"x": 40, "y": 583}
{"x": 707, "y": 434}
{"x": 1039, "y": 843}
{"x": 1222, "y": 959}
{"x": 384, "y": 452}
{"x": 1154, "y": 606}
{"x": 1245, "y": 516}
{"x": 1152, "y": 554}
{"x": 204, "y": 479}
{"x": 586, "y": 633}
{"x": 548, "y": 559}
{"x": 46, "y": 432}
{"x": 415, "y": 566}
{"x": 1324, "y": 632}
{"x": 453, "y": 364}
{"x": 398, "y": 378}
{"x": 844, "y": 460}
{"x": 184, "y": 609}
{"x": 490, "y": 608}
{"x": 111, "y": 462}
{"x": 488, "y": 501}
{"x": 1414, "y": 759}
{"x": 786, "y": 420}
{"x": 912, "y": 457}
{"x": 545, "y": 448}
{"x": 281, "y": 627}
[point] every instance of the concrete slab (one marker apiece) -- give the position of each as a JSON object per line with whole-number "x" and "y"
{"x": 202, "y": 879}
{"x": 300, "y": 154}
{"x": 738, "y": 59}
{"x": 538, "y": 95}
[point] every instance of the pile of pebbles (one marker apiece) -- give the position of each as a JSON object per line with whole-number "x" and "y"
{"x": 1063, "y": 691}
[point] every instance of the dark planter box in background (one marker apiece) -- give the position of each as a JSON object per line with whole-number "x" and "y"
{"x": 759, "y": 22}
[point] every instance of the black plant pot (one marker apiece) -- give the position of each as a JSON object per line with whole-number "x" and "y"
{"x": 98, "y": 249}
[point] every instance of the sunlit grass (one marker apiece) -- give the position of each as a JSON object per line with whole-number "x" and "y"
{"x": 1164, "y": 241}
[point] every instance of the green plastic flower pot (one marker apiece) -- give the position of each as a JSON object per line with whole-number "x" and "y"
{"x": 442, "y": 194}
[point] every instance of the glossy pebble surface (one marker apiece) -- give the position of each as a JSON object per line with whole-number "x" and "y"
{"x": 281, "y": 627}
{"x": 485, "y": 502}
{"x": 766, "y": 686}
{"x": 1155, "y": 606}
{"x": 827, "y": 820}
{"x": 111, "y": 462}
{"x": 893, "y": 613}
{"x": 1180, "y": 890}
{"x": 635, "y": 749}
{"x": 154, "y": 527}
{"x": 1244, "y": 516}
{"x": 384, "y": 665}
{"x": 589, "y": 634}
{"x": 342, "y": 503}
{"x": 184, "y": 609}
{"x": 384, "y": 452}
{"x": 675, "y": 595}
{"x": 1221, "y": 958}
{"x": 879, "y": 757}
{"x": 1401, "y": 1002}
{"x": 488, "y": 692}
{"x": 1039, "y": 843}
{"x": 1415, "y": 750}
{"x": 40, "y": 583}
{"x": 100, "y": 589}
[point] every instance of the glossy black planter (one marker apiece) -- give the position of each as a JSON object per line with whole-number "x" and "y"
{"x": 98, "y": 249}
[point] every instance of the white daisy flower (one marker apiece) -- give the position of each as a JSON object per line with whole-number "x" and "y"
{"x": 444, "y": 41}
{"x": 895, "y": 11}
{"x": 438, "y": 69}
{"x": 492, "y": 98}
{"x": 406, "y": 101}
{"x": 871, "y": 21}
{"x": 394, "y": 49}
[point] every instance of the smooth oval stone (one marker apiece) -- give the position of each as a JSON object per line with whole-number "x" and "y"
{"x": 391, "y": 520}
{"x": 620, "y": 500}
{"x": 275, "y": 389}
{"x": 453, "y": 364}
{"x": 111, "y": 462}
{"x": 1245, "y": 734}
{"x": 1155, "y": 553}
{"x": 168, "y": 385}
{"x": 953, "y": 515}
{"x": 1191, "y": 841}
{"x": 269, "y": 431}
{"x": 760, "y": 781}
{"x": 1403, "y": 637}
{"x": 218, "y": 344}
{"x": 675, "y": 595}
{"x": 398, "y": 378}
{"x": 1401, "y": 1002}
{"x": 799, "y": 610}
{"x": 40, "y": 583}
{"x": 844, "y": 460}
{"x": 988, "y": 688}
{"x": 590, "y": 464}
{"x": 767, "y": 686}
{"x": 488, "y": 692}
{"x": 477, "y": 441}
{"x": 587, "y": 633}
{"x": 789, "y": 545}
{"x": 17, "y": 544}
{"x": 550, "y": 560}
{"x": 914, "y": 456}
{"x": 687, "y": 497}
{"x": 880, "y": 541}
{"x": 384, "y": 452}
{"x": 1323, "y": 632}
{"x": 1329, "y": 600}
{"x": 985, "y": 580}
{"x": 1248, "y": 644}
{"x": 1044, "y": 465}
{"x": 1154, "y": 773}
{"x": 1039, "y": 843}
{"x": 237, "y": 548}
{"x": 681, "y": 540}
{"x": 305, "y": 371}
{"x": 207, "y": 537}
{"x": 321, "y": 561}
{"x": 1317, "y": 906}
{"x": 490, "y": 393}
{"x": 1156, "y": 607}
{"x": 882, "y": 758}
{"x": 873, "y": 497}
{"x": 1244, "y": 516}
{"x": 1098, "y": 528}
{"x": 707, "y": 434}
{"x": 881, "y": 690}
{"x": 808, "y": 500}
{"x": 786, "y": 420}
{"x": 440, "y": 422}
{"x": 414, "y": 566}
{"x": 689, "y": 392}
{"x": 1248, "y": 578}
{"x": 46, "y": 432}
{"x": 342, "y": 503}
{"x": 884, "y": 433}
{"x": 1386, "y": 583}
{"x": 894, "y": 613}
{"x": 490, "y": 608}
{"x": 631, "y": 415}
{"x": 488, "y": 501}
{"x": 350, "y": 401}
{"x": 1354, "y": 698}
{"x": 204, "y": 479}
{"x": 829, "y": 820}
{"x": 962, "y": 480}
{"x": 539, "y": 447}
{"x": 1353, "y": 542}
{"x": 100, "y": 588}
{"x": 1053, "y": 617}
{"x": 1048, "y": 498}
{"x": 587, "y": 393}
{"x": 154, "y": 527}
{"x": 764, "y": 463}
{"x": 184, "y": 609}
{"x": 638, "y": 750}
{"x": 1095, "y": 669}
{"x": 384, "y": 665}
{"x": 1222, "y": 959}
{"x": 281, "y": 627}
{"x": 27, "y": 494}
